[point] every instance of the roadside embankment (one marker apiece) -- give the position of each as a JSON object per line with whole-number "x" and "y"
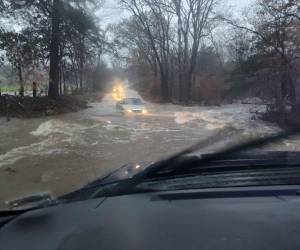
{"x": 29, "y": 107}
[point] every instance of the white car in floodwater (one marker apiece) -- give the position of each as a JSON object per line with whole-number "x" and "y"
{"x": 131, "y": 106}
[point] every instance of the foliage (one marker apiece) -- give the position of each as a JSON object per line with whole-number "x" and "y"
{"x": 55, "y": 36}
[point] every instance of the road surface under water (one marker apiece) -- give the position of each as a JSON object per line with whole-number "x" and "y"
{"x": 65, "y": 152}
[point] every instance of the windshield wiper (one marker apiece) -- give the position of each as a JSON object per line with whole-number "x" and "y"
{"x": 34, "y": 201}
{"x": 27, "y": 204}
{"x": 128, "y": 186}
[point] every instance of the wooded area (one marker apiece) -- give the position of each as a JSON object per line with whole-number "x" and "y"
{"x": 190, "y": 51}
{"x": 181, "y": 51}
{"x": 60, "y": 37}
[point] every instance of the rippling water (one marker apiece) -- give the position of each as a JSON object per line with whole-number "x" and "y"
{"x": 63, "y": 153}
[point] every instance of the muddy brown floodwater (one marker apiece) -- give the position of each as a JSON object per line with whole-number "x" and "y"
{"x": 63, "y": 153}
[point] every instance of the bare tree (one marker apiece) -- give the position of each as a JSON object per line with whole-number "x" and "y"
{"x": 156, "y": 21}
{"x": 54, "y": 50}
{"x": 277, "y": 38}
{"x": 153, "y": 24}
{"x": 195, "y": 19}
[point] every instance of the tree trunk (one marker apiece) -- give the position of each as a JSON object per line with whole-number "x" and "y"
{"x": 187, "y": 87}
{"x": 178, "y": 6}
{"x": 97, "y": 70}
{"x": 156, "y": 81}
{"x": 63, "y": 78}
{"x": 292, "y": 89}
{"x": 60, "y": 80}
{"x": 185, "y": 71}
{"x": 81, "y": 62}
{"x": 172, "y": 80}
{"x": 54, "y": 53}
{"x": 283, "y": 94}
{"x": 164, "y": 88}
{"x": 81, "y": 77}
{"x": 21, "y": 91}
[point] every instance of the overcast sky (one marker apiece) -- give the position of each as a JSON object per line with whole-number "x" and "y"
{"x": 112, "y": 13}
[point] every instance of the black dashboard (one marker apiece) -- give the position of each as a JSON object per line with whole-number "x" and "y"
{"x": 231, "y": 218}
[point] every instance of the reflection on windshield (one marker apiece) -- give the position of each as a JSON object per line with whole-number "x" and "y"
{"x": 69, "y": 77}
{"x": 133, "y": 101}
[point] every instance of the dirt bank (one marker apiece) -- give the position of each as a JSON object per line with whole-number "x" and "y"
{"x": 29, "y": 107}
{"x": 289, "y": 120}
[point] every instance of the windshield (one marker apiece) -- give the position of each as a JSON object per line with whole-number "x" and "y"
{"x": 133, "y": 101}
{"x": 195, "y": 68}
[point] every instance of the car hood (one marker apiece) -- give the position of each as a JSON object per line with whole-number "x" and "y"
{"x": 133, "y": 107}
{"x": 178, "y": 220}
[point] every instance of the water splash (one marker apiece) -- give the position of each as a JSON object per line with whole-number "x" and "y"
{"x": 42, "y": 148}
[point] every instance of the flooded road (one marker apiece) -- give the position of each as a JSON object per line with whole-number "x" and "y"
{"x": 65, "y": 152}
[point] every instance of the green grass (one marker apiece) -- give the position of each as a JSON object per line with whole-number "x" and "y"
{"x": 9, "y": 88}
{"x": 13, "y": 89}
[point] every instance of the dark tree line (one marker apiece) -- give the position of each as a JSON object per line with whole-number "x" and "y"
{"x": 268, "y": 48}
{"x": 166, "y": 36}
{"x": 174, "y": 49}
{"x": 58, "y": 36}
